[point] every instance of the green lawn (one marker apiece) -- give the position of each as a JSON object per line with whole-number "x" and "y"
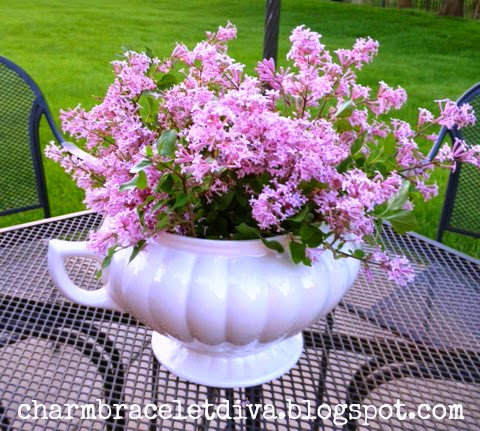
{"x": 66, "y": 47}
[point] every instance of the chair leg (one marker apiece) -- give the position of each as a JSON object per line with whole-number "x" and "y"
{"x": 46, "y": 211}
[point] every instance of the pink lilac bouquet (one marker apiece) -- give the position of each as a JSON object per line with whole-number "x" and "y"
{"x": 194, "y": 146}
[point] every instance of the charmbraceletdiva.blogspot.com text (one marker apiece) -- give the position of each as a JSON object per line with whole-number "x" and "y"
{"x": 340, "y": 414}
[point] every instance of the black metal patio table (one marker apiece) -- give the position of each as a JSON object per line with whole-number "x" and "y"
{"x": 419, "y": 344}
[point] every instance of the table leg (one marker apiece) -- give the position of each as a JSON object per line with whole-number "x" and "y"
{"x": 4, "y": 422}
{"x": 327, "y": 346}
{"x": 254, "y": 395}
{"x": 155, "y": 376}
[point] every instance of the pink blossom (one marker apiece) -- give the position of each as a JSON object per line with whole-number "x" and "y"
{"x": 181, "y": 53}
{"x": 428, "y": 191}
{"x": 362, "y": 53}
{"x": 360, "y": 92}
{"x": 424, "y": 117}
{"x": 459, "y": 153}
{"x": 451, "y": 114}
{"x": 387, "y": 99}
{"x": 223, "y": 34}
{"x": 400, "y": 271}
{"x": 306, "y": 50}
{"x": 277, "y": 150}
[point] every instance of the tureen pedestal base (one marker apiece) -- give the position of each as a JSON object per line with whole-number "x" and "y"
{"x": 227, "y": 371}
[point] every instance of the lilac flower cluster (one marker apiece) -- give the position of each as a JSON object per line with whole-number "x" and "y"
{"x": 303, "y": 150}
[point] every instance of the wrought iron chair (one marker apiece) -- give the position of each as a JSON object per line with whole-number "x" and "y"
{"x": 461, "y": 207}
{"x": 460, "y": 214}
{"x": 21, "y": 108}
{"x": 22, "y": 188}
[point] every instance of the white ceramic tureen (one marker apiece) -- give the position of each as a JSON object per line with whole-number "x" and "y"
{"x": 224, "y": 313}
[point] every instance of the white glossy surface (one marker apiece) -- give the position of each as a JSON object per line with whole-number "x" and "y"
{"x": 218, "y": 299}
{"x": 227, "y": 371}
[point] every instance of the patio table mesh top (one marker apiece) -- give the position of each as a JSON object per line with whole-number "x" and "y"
{"x": 419, "y": 344}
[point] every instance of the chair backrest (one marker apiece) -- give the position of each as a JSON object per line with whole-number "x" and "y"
{"x": 22, "y": 181}
{"x": 461, "y": 208}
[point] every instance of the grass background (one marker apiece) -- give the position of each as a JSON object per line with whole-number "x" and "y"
{"x": 67, "y": 46}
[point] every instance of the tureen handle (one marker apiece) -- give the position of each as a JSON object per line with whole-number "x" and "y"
{"x": 58, "y": 251}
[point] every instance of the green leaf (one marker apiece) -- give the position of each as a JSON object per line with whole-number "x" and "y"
{"x": 177, "y": 181}
{"x": 402, "y": 221}
{"x": 141, "y": 165}
{"x": 149, "y": 151}
{"x": 140, "y": 209}
{"x": 311, "y": 235}
{"x": 180, "y": 201}
{"x": 241, "y": 199}
{"x": 138, "y": 247}
{"x": 159, "y": 204}
{"x": 297, "y": 251}
{"x": 198, "y": 214}
{"x": 306, "y": 261}
{"x": 108, "y": 259}
{"x": 273, "y": 245}
{"x": 151, "y": 106}
{"x": 247, "y": 232}
{"x": 343, "y": 125}
{"x": 380, "y": 167}
{"x": 375, "y": 153}
{"x": 142, "y": 181}
{"x": 308, "y": 186}
{"x": 345, "y": 109}
{"x": 166, "y": 144}
{"x": 356, "y": 147}
{"x": 149, "y": 103}
{"x": 300, "y": 216}
{"x": 162, "y": 221}
{"x": 360, "y": 162}
{"x": 165, "y": 184}
{"x": 225, "y": 200}
{"x": 139, "y": 181}
{"x": 166, "y": 81}
{"x": 358, "y": 253}
{"x": 141, "y": 216}
{"x": 397, "y": 202}
{"x": 132, "y": 184}
{"x": 344, "y": 165}
{"x": 211, "y": 216}
{"x": 389, "y": 147}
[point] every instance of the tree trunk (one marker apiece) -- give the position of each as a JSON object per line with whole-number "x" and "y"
{"x": 452, "y": 8}
{"x": 403, "y": 4}
{"x": 476, "y": 14}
